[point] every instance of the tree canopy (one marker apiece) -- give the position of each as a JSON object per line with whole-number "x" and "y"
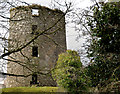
{"x": 104, "y": 49}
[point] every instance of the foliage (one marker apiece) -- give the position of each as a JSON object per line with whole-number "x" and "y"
{"x": 69, "y": 72}
{"x": 105, "y": 26}
{"x": 103, "y": 71}
{"x": 104, "y": 49}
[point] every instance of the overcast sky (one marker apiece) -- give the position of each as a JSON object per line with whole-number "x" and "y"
{"x": 80, "y": 3}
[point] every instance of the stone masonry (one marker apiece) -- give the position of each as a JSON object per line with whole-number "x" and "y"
{"x": 40, "y": 56}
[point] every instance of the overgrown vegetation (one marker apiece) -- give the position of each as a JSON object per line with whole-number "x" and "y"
{"x": 104, "y": 49}
{"x": 70, "y": 74}
{"x": 103, "y": 71}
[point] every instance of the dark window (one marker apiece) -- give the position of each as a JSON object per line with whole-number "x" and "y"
{"x": 34, "y": 79}
{"x": 34, "y": 30}
{"x": 35, "y": 51}
{"x": 34, "y": 27}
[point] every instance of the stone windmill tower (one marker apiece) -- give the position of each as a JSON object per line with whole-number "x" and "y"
{"x": 47, "y": 27}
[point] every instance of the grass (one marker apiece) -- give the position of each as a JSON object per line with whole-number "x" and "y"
{"x": 32, "y": 90}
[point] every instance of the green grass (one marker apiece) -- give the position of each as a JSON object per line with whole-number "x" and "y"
{"x": 19, "y": 90}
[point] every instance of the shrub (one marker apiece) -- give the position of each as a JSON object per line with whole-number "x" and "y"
{"x": 104, "y": 70}
{"x": 69, "y": 72}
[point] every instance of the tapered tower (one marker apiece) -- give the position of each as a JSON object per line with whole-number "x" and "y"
{"x": 37, "y": 34}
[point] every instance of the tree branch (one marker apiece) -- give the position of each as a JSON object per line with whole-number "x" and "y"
{"x": 19, "y": 49}
{"x": 16, "y": 75}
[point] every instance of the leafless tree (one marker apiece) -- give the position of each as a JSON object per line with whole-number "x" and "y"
{"x": 10, "y": 47}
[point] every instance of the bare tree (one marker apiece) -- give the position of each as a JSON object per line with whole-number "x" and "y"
{"x": 18, "y": 40}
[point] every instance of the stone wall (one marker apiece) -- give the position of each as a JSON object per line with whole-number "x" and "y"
{"x": 50, "y": 43}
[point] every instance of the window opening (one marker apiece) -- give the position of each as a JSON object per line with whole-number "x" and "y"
{"x": 34, "y": 30}
{"x": 35, "y": 51}
{"x": 34, "y": 79}
{"x": 35, "y": 12}
{"x": 34, "y": 27}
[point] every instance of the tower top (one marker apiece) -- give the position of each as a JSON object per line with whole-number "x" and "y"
{"x": 35, "y": 6}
